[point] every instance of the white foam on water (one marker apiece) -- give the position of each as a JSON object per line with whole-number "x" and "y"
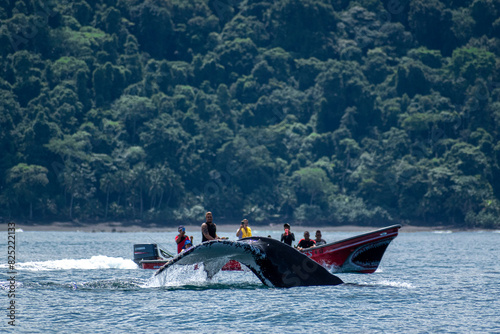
{"x": 396, "y": 284}
{"x": 95, "y": 262}
{"x": 442, "y": 232}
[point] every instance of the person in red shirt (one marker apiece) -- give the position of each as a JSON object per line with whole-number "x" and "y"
{"x": 306, "y": 242}
{"x": 181, "y": 238}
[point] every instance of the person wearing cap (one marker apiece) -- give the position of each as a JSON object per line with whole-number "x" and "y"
{"x": 288, "y": 237}
{"x": 244, "y": 231}
{"x": 181, "y": 239}
{"x": 187, "y": 245}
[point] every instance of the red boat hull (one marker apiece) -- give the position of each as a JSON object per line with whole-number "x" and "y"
{"x": 358, "y": 254}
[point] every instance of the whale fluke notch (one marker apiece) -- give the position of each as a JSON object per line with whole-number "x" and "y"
{"x": 273, "y": 262}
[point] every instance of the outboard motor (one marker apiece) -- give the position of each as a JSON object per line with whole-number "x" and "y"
{"x": 145, "y": 252}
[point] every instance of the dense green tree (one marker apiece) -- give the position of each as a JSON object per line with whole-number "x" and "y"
{"x": 66, "y": 68}
{"x": 431, "y": 23}
{"x": 484, "y": 13}
{"x": 468, "y": 159}
{"x": 242, "y": 26}
{"x": 317, "y": 111}
{"x": 162, "y": 139}
{"x": 376, "y": 69}
{"x": 471, "y": 63}
{"x": 412, "y": 80}
{"x": 237, "y": 55}
{"x": 314, "y": 182}
{"x": 305, "y": 27}
{"x": 342, "y": 86}
{"x": 10, "y": 116}
{"x": 27, "y": 182}
{"x": 78, "y": 181}
{"x": 108, "y": 81}
{"x": 152, "y": 23}
{"x": 36, "y": 137}
{"x": 133, "y": 111}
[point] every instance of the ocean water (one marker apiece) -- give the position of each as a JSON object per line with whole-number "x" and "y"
{"x": 76, "y": 282}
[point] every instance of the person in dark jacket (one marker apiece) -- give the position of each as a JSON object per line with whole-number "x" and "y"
{"x": 288, "y": 237}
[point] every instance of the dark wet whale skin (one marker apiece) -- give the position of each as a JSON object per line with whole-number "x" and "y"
{"x": 273, "y": 262}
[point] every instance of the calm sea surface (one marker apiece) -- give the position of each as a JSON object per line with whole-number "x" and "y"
{"x": 75, "y": 282}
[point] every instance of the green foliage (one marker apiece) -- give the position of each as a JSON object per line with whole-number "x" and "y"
{"x": 312, "y": 181}
{"x": 484, "y": 12}
{"x": 348, "y": 211}
{"x": 431, "y": 22}
{"x": 412, "y": 80}
{"x": 65, "y": 68}
{"x": 27, "y": 183}
{"x": 472, "y": 63}
{"x": 304, "y": 27}
{"x": 313, "y": 111}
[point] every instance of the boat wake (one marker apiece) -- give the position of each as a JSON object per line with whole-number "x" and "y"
{"x": 94, "y": 263}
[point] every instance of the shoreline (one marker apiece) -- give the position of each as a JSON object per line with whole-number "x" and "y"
{"x": 131, "y": 227}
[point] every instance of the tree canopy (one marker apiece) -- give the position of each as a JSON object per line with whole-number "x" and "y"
{"x": 307, "y": 111}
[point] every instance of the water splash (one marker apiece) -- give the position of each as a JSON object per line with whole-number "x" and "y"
{"x": 177, "y": 276}
{"x": 194, "y": 277}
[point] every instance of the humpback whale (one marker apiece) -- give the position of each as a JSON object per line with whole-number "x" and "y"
{"x": 273, "y": 262}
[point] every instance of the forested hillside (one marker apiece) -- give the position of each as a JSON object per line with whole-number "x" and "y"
{"x": 332, "y": 112}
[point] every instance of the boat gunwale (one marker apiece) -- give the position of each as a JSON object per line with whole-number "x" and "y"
{"x": 397, "y": 227}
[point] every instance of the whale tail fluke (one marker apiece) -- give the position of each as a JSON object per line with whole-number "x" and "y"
{"x": 274, "y": 263}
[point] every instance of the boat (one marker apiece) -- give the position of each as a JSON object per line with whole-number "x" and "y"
{"x": 150, "y": 256}
{"x": 359, "y": 254}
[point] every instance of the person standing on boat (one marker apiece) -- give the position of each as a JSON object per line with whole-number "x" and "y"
{"x": 244, "y": 231}
{"x": 288, "y": 237}
{"x": 181, "y": 238}
{"x": 306, "y": 242}
{"x": 318, "y": 239}
{"x": 208, "y": 229}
